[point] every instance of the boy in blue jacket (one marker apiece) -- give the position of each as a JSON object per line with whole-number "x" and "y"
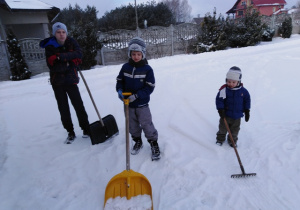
{"x": 232, "y": 102}
{"x": 137, "y": 77}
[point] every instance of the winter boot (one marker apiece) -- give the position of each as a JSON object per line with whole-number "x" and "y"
{"x": 155, "y": 149}
{"x": 137, "y": 146}
{"x": 220, "y": 143}
{"x": 230, "y": 144}
{"x": 86, "y": 133}
{"x": 71, "y": 137}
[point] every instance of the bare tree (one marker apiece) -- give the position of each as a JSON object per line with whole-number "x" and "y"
{"x": 180, "y": 9}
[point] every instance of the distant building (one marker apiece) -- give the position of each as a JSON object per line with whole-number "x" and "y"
{"x": 264, "y": 7}
{"x": 27, "y": 19}
{"x": 198, "y": 20}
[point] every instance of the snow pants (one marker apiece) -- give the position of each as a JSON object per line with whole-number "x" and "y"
{"x": 140, "y": 119}
{"x": 234, "y": 126}
{"x": 61, "y": 93}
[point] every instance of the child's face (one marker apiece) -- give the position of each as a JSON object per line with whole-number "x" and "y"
{"x": 136, "y": 56}
{"x": 61, "y": 36}
{"x": 231, "y": 83}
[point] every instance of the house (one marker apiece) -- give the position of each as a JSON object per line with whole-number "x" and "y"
{"x": 27, "y": 19}
{"x": 264, "y": 7}
{"x": 198, "y": 20}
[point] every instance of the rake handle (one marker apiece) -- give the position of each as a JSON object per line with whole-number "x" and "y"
{"x": 232, "y": 141}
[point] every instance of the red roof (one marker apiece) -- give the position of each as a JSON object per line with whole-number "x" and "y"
{"x": 256, "y": 2}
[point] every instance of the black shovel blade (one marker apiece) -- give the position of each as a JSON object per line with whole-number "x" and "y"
{"x": 242, "y": 175}
{"x": 99, "y": 133}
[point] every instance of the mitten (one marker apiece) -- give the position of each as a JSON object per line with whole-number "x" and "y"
{"x": 121, "y": 97}
{"x": 247, "y": 115}
{"x": 52, "y": 59}
{"x": 132, "y": 98}
{"x": 222, "y": 113}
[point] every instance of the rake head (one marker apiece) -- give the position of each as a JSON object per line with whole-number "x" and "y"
{"x": 242, "y": 175}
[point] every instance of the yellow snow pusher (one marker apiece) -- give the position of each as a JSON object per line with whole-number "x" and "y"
{"x": 128, "y": 183}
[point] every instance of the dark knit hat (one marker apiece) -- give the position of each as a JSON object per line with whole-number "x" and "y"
{"x": 234, "y": 73}
{"x": 57, "y": 26}
{"x": 137, "y": 44}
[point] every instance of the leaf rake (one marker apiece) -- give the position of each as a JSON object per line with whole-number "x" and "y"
{"x": 238, "y": 157}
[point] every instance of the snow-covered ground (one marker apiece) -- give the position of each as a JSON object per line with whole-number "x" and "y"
{"x": 38, "y": 171}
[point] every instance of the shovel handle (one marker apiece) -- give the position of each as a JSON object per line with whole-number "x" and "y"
{"x": 126, "y": 100}
{"x": 126, "y": 107}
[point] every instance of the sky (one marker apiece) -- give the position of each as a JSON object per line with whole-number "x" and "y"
{"x": 199, "y": 7}
{"x": 39, "y": 171}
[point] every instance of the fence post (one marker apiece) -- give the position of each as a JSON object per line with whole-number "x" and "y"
{"x": 172, "y": 38}
{"x": 102, "y": 56}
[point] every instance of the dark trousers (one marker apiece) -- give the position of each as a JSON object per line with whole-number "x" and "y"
{"x": 61, "y": 93}
{"x": 234, "y": 127}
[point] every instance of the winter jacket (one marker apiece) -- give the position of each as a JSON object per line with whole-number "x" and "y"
{"x": 137, "y": 78}
{"x": 235, "y": 102}
{"x": 64, "y": 70}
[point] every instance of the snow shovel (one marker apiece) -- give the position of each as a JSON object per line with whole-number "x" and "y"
{"x": 237, "y": 155}
{"x": 128, "y": 183}
{"x": 103, "y": 129}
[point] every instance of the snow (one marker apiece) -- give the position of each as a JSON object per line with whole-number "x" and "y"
{"x": 28, "y": 4}
{"x": 38, "y": 171}
{"x": 142, "y": 201}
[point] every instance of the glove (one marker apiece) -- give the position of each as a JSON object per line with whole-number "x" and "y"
{"x": 52, "y": 59}
{"x": 247, "y": 115}
{"x": 121, "y": 97}
{"x": 77, "y": 61}
{"x": 132, "y": 98}
{"x": 222, "y": 113}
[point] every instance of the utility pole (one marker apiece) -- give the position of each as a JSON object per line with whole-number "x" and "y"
{"x": 136, "y": 16}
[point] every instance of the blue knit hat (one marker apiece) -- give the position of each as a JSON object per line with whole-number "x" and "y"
{"x": 59, "y": 25}
{"x": 137, "y": 44}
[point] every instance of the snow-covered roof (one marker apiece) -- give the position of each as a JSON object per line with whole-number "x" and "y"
{"x": 28, "y": 5}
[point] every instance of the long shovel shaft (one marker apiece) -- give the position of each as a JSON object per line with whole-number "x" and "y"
{"x": 88, "y": 89}
{"x": 127, "y": 136}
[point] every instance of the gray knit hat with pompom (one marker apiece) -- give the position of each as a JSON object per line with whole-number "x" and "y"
{"x": 137, "y": 44}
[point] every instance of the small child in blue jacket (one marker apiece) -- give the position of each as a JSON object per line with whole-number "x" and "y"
{"x": 232, "y": 102}
{"x": 137, "y": 77}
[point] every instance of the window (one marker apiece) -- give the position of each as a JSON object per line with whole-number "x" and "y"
{"x": 243, "y": 3}
{"x": 240, "y": 13}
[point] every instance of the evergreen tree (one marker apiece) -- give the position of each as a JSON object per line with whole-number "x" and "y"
{"x": 245, "y": 31}
{"x": 267, "y": 34}
{"x": 213, "y": 36}
{"x": 18, "y": 67}
{"x": 286, "y": 28}
{"x": 124, "y": 17}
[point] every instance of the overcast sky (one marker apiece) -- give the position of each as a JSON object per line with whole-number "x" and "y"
{"x": 198, "y": 6}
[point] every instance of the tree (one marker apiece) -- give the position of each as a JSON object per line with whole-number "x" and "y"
{"x": 18, "y": 67}
{"x": 124, "y": 17}
{"x": 245, "y": 31}
{"x": 180, "y": 8}
{"x": 286, "y": 28}
{"x": 82, "y": 27}
{"x": 213, "y": 36}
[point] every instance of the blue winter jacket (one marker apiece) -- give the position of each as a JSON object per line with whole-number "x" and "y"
{"x": 137, "y": 79}
{"x": 236, "y": 102}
